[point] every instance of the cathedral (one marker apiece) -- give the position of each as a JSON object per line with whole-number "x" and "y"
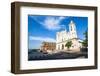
{"x": 64, "y": 36}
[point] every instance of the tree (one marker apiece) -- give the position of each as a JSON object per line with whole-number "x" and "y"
{"x": 68, "y": 44}
{"x": 85, "y": 41}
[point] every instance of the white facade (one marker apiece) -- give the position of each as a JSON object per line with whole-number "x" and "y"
{"x": 63, "y": 37}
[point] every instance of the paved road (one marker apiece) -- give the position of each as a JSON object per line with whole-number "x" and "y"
{"x": 34, "y": 55}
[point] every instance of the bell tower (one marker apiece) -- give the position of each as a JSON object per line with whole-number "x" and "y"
{"x": 72, "y": 30}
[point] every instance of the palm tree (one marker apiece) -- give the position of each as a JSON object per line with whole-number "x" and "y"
{"x": 68, "y": 44}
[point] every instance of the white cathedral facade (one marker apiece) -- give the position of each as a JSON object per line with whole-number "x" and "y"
{"x": 64, "y": 36}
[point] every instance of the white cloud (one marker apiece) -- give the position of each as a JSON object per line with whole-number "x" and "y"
{"x": 50, "y": 23}
{"x": 47, "y": 39}
{"x": 61, "y": 18}
{"x": 53, "y": 23}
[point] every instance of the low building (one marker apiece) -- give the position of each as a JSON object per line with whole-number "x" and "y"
{"x": 48, "y": 47}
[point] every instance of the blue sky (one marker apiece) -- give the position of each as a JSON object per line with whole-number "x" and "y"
{"x": 43, "y": 28}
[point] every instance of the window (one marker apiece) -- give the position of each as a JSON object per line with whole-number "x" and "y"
{"x": 71, "y": 28}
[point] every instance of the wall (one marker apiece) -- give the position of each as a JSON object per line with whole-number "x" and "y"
{"x": 5, "y": 42}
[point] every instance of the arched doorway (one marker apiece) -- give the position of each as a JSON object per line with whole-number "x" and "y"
{"x": 62, "y": 46}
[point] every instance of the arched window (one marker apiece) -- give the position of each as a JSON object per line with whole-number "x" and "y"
{"x": 71, "y": 28}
